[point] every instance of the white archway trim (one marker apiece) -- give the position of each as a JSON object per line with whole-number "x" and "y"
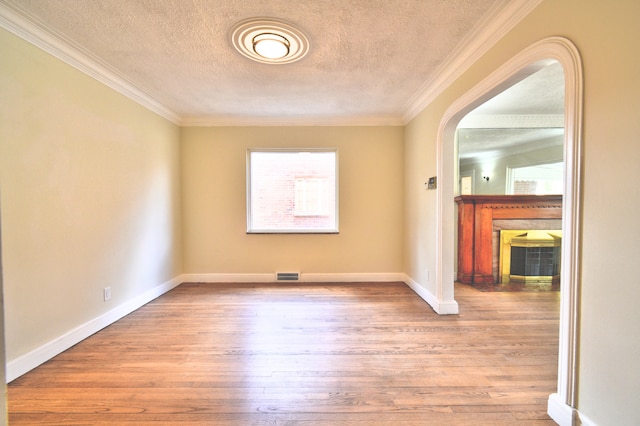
{"x": 561, "y": 404}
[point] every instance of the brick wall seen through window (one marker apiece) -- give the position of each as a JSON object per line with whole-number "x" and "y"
{"x": 292, "y": 191}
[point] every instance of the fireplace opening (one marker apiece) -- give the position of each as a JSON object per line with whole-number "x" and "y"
{"x": 530, "y": 256}
{"x": 534, "y": 261}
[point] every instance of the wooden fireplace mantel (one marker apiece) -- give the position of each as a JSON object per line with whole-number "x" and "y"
{"x": 476, "y": 214}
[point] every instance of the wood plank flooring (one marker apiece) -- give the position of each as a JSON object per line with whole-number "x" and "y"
{"x": 311, "y": 354}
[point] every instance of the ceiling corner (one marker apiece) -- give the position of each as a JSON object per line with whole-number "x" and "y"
{"x": 496, "y": 24}
{"x": 29, "y": 29}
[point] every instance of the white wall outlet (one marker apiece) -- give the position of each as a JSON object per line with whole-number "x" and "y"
{"x": 107, "y": 293}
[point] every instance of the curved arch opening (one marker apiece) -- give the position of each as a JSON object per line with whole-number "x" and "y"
{"x": 522, "y": 65}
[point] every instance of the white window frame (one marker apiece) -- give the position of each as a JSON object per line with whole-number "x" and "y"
{"x": 324, "y": 208}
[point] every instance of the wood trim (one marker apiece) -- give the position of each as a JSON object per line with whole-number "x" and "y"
{"x": 483, "y": 252}
{"x": 529, "y": 213}
{"x": 512, "y": 201}
{"x": 475, "y": 228}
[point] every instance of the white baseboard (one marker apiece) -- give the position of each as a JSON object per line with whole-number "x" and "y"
{"x": 566, "y": 415}
{"x": 30, "y": 360}
{"x": 228, "y": 278}
{"x": 353, "y": 278}
{"x": 304, "y": 277}
{"x": 440, "y": 306}
{"x": 584, "y": 420}
{"x": 560, "y": 412}
{"x": 21, "y": 365}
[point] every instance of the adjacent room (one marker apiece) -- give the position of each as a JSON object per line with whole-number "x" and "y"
{"x": 324, "y": 212}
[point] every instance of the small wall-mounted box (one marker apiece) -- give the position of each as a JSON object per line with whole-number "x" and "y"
{"x": 431, "y": 183}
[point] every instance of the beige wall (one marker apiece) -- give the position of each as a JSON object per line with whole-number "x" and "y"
{"x": 420, "y": 233}
{"x": 90, "y": 197}
{"x": 214, "y": 202}
{"x": 3, "y": 372}
{"x": 606, "y": 33}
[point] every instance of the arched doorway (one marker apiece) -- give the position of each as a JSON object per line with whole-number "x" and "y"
{"x": 514, "y": 142}
{"x": 512, "y": 146}
{"x": 524, "y": 64}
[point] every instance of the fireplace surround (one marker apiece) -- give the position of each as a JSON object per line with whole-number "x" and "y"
{"x": 481, "y": 217}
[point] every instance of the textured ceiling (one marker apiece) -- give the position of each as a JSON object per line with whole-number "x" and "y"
{"x": 368, "y": 58}
{"x": 541, "y": 93}
{"x": 369, "y": 61}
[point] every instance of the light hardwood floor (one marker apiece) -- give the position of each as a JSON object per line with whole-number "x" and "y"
{"x": 313, "y": 354}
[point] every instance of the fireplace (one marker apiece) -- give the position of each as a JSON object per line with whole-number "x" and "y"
{"x": 481, "y": 218}
{"x": 530, "y": 256}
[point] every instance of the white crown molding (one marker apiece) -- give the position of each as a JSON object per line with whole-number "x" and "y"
{"x": 504, "y": 15}
{"x": 479, "y": 158}
{"x": 501, "y": 18}
{"x": 284, "y": 121}
{"x": 20, "y": 23}
{"x": 510, "y": 121}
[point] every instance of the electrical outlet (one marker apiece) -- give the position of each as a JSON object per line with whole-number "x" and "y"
{"x": 107, "y": 293}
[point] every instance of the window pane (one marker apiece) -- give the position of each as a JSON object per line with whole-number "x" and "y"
{"x": 538, "y": 180}
{"x": 311, "y": 197}
{"x": 292, "y": 191}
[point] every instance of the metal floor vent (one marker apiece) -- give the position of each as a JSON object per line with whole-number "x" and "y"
{"x": 288, "y": 276}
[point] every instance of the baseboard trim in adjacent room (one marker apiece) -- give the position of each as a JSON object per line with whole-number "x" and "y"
{"x": 441, "y": 307}
{"x": 38, "y": 356}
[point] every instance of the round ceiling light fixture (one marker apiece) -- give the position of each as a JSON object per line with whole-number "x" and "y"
{"x": 271, "y": 46}
{"x": 269, "y": 41}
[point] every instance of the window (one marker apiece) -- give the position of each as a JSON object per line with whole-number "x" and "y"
{"x": 292, "y": 191}
{"x": 311, "y": 197}
{"x": 536, "y": 180}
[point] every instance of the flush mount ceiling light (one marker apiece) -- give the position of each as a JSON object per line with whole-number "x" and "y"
{"x": 269, "y": 41}
{"x": 271, "y": 46}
